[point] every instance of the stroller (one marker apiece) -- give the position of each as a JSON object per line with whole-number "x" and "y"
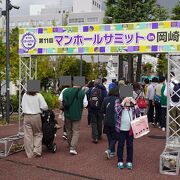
{"x": 49, "y": 130}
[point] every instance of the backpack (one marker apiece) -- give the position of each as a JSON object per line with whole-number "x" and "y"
{"x": 48, "y": 126}
{"x": 176, "y": 92}
{"x": 95, "y": 99}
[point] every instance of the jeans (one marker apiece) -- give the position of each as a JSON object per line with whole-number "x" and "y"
{"x": 89, "y": 116}
{"x": 96, "y": 124}
{"x": 163, "y": 116}
{"x": 150, "y": 113}
{"x": 123, "y": 137}
{"x": 158, "y": 113}
{"x": 111, "y": 139}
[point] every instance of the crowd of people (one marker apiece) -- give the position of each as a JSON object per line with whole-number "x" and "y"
{"x": 107, "y": 113}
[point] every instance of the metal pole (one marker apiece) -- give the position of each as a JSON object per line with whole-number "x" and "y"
{"x": 168, "y": 99}
{"x": 7, "y": 61}
{"x": 120, "y": 69}
{"x": 81, "y": 66}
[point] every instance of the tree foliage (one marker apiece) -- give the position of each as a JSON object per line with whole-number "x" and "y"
{"x": 2, "y": 54}
{"x": 176, "y": 12}
{"x": 162, "y": 65}
{"x": 147, "y": 69}
{"x": 126, "y": 11}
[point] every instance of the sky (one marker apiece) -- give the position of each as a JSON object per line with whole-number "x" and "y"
{"x": 24, "y": 4}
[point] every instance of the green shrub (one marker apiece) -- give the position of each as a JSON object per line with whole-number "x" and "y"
{"x": 15, "y": 102}
{"x": 51, "y": 99}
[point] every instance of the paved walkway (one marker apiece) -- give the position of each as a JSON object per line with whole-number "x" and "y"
{"x": 90, "y": 163}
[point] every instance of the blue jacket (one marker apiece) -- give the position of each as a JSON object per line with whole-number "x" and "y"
{"x": 112, "y": 85}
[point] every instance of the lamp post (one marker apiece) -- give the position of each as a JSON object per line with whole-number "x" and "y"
{"x": 9, "y": 6}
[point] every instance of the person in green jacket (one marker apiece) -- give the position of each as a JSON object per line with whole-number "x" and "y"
{"x": 74, "y": 99}
{"x": 163, "y": 102}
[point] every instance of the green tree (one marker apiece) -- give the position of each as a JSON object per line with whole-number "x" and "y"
{"x": 70, "y": 65}
{"x": 14, "y": 57}
{"x": 2, "y": 59}
{"x": 126, "y": 11}
{"x": 176, "y": 12}
{"x": 14, "y": 60}
{"x": 147, "y": 69}
{"x": 162, "y": 65}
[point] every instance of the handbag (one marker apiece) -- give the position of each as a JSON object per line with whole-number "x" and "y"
{"x": 141, "y": 102}
{"x": 140, "y": 126}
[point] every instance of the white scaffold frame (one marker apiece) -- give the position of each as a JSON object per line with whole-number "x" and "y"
{"x": 170, "y": 157}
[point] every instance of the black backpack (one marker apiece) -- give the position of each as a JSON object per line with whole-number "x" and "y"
{"x": 95, "y": 99}
{"x": 176, "y": 92}
{"x": 48, "y": 126}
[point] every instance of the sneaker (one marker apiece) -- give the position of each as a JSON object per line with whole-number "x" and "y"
{"x": 73, "y": 152}
{"x": 112, "y": 154}
{"x": 163, "y": 129}
{"x": 36, "y": 155}
{"x": 129, "y": 165}
{"x": 95, "y": 141}
{"x": 120, "y": 165}
{"x": 108, "y": 154}
{"x": 64, "y": 137}
{"x": 57, "y": 126}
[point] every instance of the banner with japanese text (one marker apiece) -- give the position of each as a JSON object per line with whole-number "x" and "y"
{"x": 143, "y": 37}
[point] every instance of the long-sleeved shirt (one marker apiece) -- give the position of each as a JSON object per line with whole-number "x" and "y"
{"x": 151, "y": 91}
{"x": 33, "y": 104}
{"x": 119, "y": 109}
{"x": 61, "y": 95}
{"x": 171, "y": 87}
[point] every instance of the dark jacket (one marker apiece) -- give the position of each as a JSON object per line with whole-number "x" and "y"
{"x": 108, "y": 108}
{"x": 103, "y": 95}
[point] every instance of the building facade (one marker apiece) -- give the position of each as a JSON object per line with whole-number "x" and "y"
{"x": 80, "y": 6}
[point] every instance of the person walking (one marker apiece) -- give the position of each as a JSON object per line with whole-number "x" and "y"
{"x": 95, "y": 102}
{"x": 138, "y": 95}
{"x": 74, "y": 100}
{"x": 32, "y": 105}
{"x": 90, "y": 86}
{"x": 150, "y": 98}
{"x": 108, "y": 108}
{"x": 64, "y": 136}
{"x": 163, "y": 102}
{"x": 157, "y": 102}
